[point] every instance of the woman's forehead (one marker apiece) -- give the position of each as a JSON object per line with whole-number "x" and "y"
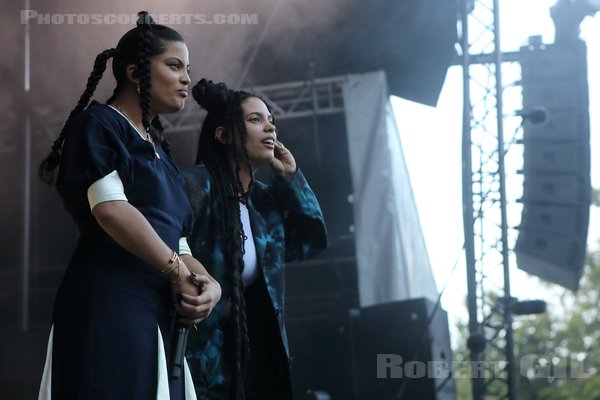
{"x": 176, "y": 50}
{"x": 255, "y": 105}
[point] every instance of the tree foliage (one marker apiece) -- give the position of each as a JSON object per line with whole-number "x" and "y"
{"x": 558, "y": 355}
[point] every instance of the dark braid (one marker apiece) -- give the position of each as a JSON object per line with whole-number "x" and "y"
{"x": 225, "y": 109}
{"x": 144, "y": 76}
{"x": 234, "y": 250}
{"x": 238, "y": 238}
{"x": 158, "y": 129}
{"x": 234, "y": 113}
{"x": 147, "y": 48}
{"x": 47, "y": 167}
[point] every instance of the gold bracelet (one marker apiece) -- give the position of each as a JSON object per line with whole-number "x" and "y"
{"x": 172, "y": 259}
{"x": 172, "y": 264}
{"x": 173, "y": 268}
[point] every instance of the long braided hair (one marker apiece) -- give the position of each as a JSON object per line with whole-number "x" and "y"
{"x": 224, "y": 108}
{"x": 136, "y": 47}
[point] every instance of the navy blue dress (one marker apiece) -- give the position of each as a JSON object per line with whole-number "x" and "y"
{"x": 110, "y": 302}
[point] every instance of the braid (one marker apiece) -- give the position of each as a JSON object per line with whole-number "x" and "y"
{"x": 237, "y": 299}
{"x": 234, "y": 250}
{"x": 144, "y": 85}
{"x": 47, "y": 167}
{"x": 157, "y": 131}
{"x": 239, "y": 126}
{"x": 154, "y": 127}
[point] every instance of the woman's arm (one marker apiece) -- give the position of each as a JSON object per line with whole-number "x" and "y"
{"x": 129, "y": 228}
{"x": 305, "y": 232}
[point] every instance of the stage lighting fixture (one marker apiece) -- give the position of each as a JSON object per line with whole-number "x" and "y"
{"x": 528, "y": 307}
{"x": 535, "y": 115}
{"x": 476, "y": 342}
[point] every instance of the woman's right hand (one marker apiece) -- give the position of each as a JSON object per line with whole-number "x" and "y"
{"x": 184, "y": 284}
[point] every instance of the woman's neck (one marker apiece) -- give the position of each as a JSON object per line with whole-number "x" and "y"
{"x": 244, "y": 174}
{"x": 129, "y": 103}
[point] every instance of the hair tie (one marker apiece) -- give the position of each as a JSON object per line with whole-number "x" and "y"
{"x": 144, "y": 19}
{"x": 57, "y": 145}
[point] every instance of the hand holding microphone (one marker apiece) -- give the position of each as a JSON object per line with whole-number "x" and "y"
{"x": 191, "y": 310}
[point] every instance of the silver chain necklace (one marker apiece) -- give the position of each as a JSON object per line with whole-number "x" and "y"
{"x": 146, "y": 137}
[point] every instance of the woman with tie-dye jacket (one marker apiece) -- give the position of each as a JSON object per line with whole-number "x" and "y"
{"x": 244, "y": 232}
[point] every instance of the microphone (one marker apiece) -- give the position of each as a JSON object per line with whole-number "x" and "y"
{"x": 178, "y": 351}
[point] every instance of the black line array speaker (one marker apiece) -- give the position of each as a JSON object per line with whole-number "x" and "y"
{"x": 556, "y": 163}
{"x": 319, "y": 295}
{"x": 392, "y": 351}
{"x": 403, "y": 352}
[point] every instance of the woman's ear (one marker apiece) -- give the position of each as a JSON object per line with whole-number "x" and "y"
{"x": 220, "y": 135}
{"x": 132, "y": 74}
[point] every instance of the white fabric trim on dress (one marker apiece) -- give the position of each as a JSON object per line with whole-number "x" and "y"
{"x": 162, "y": 389}
{"x": 162, "y": 386}
{"x": 108, "y": 188}
{"x": 147, "y": 138}
{"x": 45, "y": 392}
{"x": 190, "y": 390}
{"x": 184, "y": 247}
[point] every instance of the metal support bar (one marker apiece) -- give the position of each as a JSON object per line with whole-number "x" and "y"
{"x": 319, "y": 96}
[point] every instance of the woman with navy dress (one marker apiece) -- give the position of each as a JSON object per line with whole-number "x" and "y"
{"x": 131, "y": 280}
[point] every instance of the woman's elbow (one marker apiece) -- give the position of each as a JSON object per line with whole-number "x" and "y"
{"x": 109, "y": 212}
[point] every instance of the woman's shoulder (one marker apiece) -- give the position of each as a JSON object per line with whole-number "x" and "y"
{"x": 197, "y": 178}
{"x": 197, "y": 174}
{"x": 198, "y": 183}
{"x": 101, "y": 115}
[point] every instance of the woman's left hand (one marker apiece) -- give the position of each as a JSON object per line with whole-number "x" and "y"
{"x": 283, "y": 164}
{"x": 200, "y": 306}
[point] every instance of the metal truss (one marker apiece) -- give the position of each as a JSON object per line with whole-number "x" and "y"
{"x": 286, "y": 100}
{"x": 485, "y": 203}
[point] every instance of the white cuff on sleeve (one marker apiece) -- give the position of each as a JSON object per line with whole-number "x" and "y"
{"x": 184, "y": 248}
{"x": 108, "y": 188}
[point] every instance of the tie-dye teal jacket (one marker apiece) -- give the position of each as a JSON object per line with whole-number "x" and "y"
{"x": 287, "y": 225}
